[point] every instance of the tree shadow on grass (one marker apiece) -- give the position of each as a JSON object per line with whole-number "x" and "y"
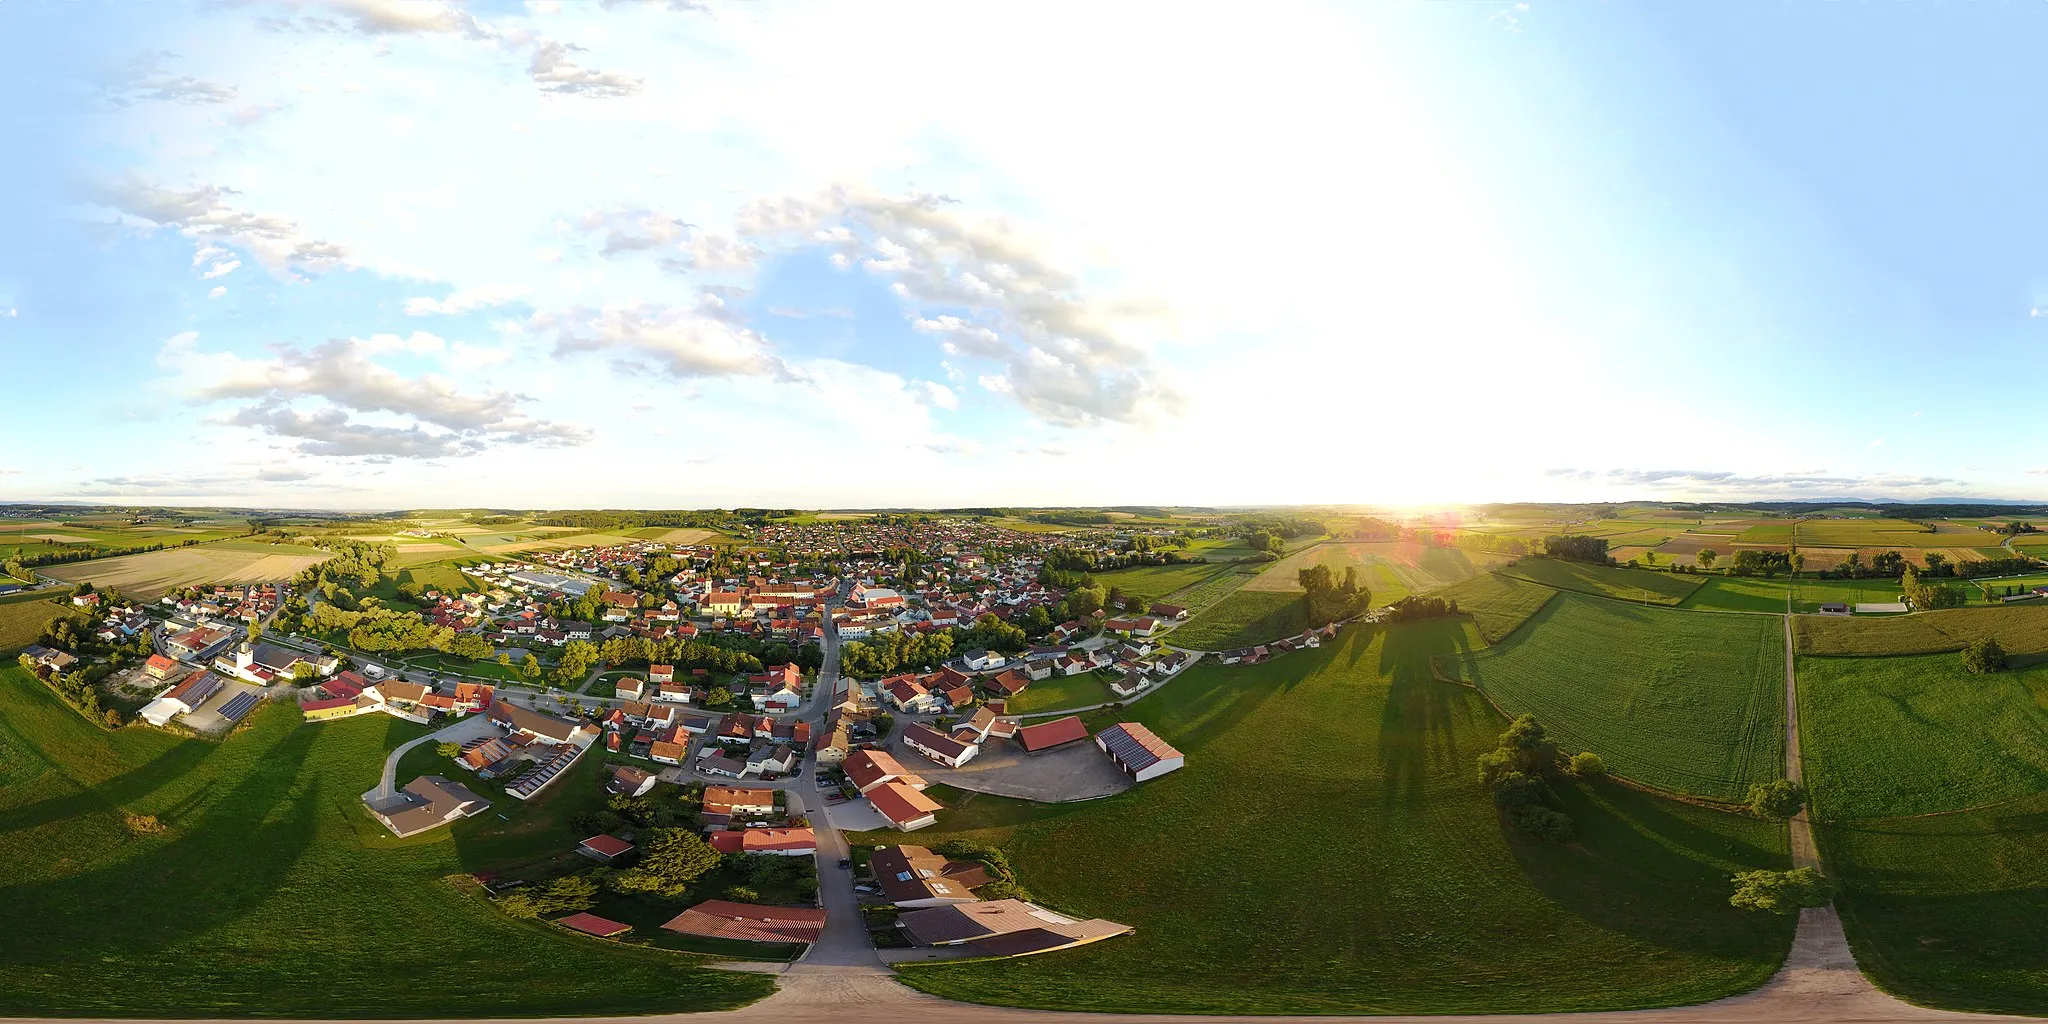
{"x": 215, "y": 868}
{"x": 1421, "y": 718}
{"x": 119, "y": 791}
{"x": 1642, "y": 869}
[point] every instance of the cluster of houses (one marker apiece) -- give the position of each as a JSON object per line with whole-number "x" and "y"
{"x": 245, "y": 603}
{"x": 1254, "y": 655}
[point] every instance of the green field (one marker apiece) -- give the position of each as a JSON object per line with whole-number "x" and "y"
{"x": 1378, "y": 878}
{"x": 1605, "y": 580}
{"x": 23, "y": 616}
{"x": 1757, "y": 594}
{"x": 1883, "y": 737}
{"x": 1153, "y": 582}
{"x": 1498, "y": 604}
{"x": 1882, "y": 533}
{"x": 1949, "y": 910}
{"x": 1683, "y": 701}
{"x": 1245, "y": 618}
{"x": 1058, "y": 692}
{"x": 1391, "y": 570}
{"x": 2019, "y": 628}
{"x": 272, "y": 893}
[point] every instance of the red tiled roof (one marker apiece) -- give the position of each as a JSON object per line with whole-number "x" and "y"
{"x": 749, "y": 921}
{"x": 609, "y": 845}
{"x": 591, "y": 924}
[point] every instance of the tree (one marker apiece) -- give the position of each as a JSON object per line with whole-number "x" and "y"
{"x": 529, "y": 669}
{"x": 303, "y": 673}
{"x": 505, "y": 659}
{"x": 1586, "y": 765}
{"x": 1779, "y": 799}
{"x": 571, "y": 892}
{"x": 1706, "y": 557}
{"x": 718, "y": 695}
{"x": 448, "y": 750}
{"x": 670, "y": 859}
{"x": 1782, "y": 892}
{"x": 1650, "y": 558}
{"x": 1983, "y": 656}
{"x": 1513, "y": 771}
{"x": 1798, "y": 561}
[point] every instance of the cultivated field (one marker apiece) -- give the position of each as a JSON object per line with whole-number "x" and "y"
{"x": 1378, "y": 878}
{"x": 272, "y": 893}
{"x": 1756, "y": 594}
{"x": 1682, "y": 701}
{"x": 152, "y": 573}
{"x": 2019, "y": 628}
{"x": 1498, "y": 604}
{"x": 1391, "y": 570}
{"x": 23, "y": 616}
{"x": 1244, "y": 618}
{"x": 1949, "y": 910}
{"x": 1154, "y": 582}
{"x": 1606, "y": 581}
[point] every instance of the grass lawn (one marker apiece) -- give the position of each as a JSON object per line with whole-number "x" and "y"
{"x": 1683, "y": 701}
{"x": 1378, "y": 878}
{"x": 1951, "y": 910}
{"x": 1062, "y": 692}
{"x": 272, "y": 893}
{"x": 439, "y": 662}
{"x": 23, "y": 616}
{"x": 1605, "y": 580}
{"x": 1244, "y": 618}
{"x": 2019, "y": 628}
{"x": 1498, "y": 604}
{"x": 1885, "y": 737}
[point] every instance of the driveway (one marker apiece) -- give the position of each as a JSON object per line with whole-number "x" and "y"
{"x": 468, "y": 728}
{"x": 1074, "y": 772}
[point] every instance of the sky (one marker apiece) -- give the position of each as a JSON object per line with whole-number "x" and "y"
{"x": 368, "y": 254}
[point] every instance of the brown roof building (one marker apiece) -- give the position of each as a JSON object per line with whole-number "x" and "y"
{"x": 1004, "y": 927}
{"x": 1056, "y": 733}
{"x": 750, "y": 922}
{"x": 913, "y": 876}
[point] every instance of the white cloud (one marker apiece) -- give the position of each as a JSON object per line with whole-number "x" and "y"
{"x": 940, "y": 395}
{"x": 681, "y": 342}
{"x": 408, "y": 416}
{"x": 461, "y": 301}
{"x": 221, "y": 269}
{"x": 203, "y": 212}
{"x": 217, "y": 291}
{"x": 552, "y": 69}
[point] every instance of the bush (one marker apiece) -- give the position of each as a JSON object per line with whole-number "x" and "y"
{"x": 1544, "y": 823}
{"x": 1983, "y": 656}
{"x": 572, "y": 892}
{"x": 1777, "y": 800}
{"x": 1586, "y": 765}
{"x": 1781, "y": 892}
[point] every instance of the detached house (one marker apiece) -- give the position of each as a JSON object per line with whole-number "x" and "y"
{"x": 939, "y": 747}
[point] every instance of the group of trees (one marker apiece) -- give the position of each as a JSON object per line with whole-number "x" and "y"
{"x": 1926, "y": 596}
{"x": 1415, "y": 608}
{"x": 1515, "y": 770}
{"x": 891, "y": 653}
{"x": 1776, "y": 800}
{"x": 1331, "y": 599}
{"x": 1576, "y": 548}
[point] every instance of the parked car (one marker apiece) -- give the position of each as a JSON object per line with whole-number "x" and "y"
{"x": 846, "y": 862}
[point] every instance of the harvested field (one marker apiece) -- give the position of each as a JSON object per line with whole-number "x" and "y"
{"x": 1693, "y": 543}
{"x": 150, "y": 574}
{"x": 687, "y": 535}
{"x": 64, "y": 538}
{"x": 551, "y": 543}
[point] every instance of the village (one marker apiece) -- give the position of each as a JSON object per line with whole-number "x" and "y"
{"x": 769, "y": 735}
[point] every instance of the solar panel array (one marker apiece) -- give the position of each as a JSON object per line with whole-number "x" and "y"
{"x": 239, "y": 705}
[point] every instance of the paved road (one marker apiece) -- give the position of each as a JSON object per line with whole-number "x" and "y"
{"x": 467, "y": 727}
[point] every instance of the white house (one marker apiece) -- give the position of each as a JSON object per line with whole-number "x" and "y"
{"x": 1138, "y": 752}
